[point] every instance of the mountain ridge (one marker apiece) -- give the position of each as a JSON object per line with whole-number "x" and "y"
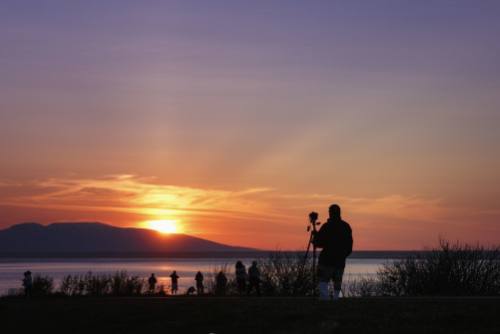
{"x": 78, "y": 237}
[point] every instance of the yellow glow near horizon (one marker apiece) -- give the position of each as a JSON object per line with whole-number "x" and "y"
{"x": 164, "y": 225}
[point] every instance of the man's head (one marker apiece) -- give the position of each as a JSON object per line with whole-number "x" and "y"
{"x": 254, "y": 263}
{"x": 334, "y": 211}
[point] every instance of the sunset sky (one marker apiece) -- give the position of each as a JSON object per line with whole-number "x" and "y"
{"x": 235, "y": 119}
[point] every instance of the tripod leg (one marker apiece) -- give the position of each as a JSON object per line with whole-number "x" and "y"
{"x": 314, "y": 272}
{"x": 306, "y": 255}
{"x": 301, "y": 270}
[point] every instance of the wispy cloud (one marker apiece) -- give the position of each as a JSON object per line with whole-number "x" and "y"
{"x": 129, "y": 193}
{"x": 262, "y": 215}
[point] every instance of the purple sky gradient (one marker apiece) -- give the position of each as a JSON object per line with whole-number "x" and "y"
{"x": 365, "y": 100}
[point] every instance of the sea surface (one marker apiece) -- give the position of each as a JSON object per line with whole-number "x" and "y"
{"x": 12, "y": 269}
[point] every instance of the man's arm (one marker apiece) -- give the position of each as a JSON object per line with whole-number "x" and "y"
{"x": 319, "y": 238}
{"x": 350, "y": 241}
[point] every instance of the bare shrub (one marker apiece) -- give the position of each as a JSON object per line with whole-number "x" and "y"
{"x": 72, "y": 285}
{"x": 14, "y": 293}
{"x": 359, "y": 287}
{"x": 162, "y": 290}
{"x": 119, "y": 284}
{"x": 211, "y": 278}
{"x": 286, "y": 273}
{"x": 447, "y": 269}
{"x": 123, "y": 284}
{"x": 97, "y": 284}
{"x": 42, "y": 285}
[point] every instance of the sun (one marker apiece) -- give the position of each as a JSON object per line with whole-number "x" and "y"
{"x": 164, "y": 225}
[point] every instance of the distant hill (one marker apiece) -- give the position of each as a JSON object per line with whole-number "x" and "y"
{"x": 98, "y": 237}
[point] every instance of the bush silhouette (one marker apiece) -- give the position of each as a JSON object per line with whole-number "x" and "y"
{"x": 447, "y": 269}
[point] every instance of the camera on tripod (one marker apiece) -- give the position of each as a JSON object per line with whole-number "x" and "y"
{"x": 313, "y": 217}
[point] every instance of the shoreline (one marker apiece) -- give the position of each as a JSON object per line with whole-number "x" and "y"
{"x": 187, "y": 255}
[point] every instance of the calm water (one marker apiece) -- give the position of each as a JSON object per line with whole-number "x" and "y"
{"x": 11, "y": 270}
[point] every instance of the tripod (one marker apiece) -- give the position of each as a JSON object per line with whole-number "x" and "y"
{"x": 313, "y": 217}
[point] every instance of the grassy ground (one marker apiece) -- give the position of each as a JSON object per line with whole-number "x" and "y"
{"x": 248, "y": 315}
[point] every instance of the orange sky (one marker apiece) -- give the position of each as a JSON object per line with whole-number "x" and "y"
{"x": 237, "y": 120}
{"x": 260, "y": 217}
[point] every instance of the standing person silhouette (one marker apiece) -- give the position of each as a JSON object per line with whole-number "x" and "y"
{"x": 335, "y": 237}
{"x": 175, "y": 287}
{"x": 199, "y": 283}
{"x": 152, "y": 282}
{"x": 241, "y": 276}
{"x": 221, "y": 281}
{"x": 254, "y": 279}
{"x": 28, "y": 285}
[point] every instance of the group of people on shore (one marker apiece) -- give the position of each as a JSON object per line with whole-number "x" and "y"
{"x": 335, "y": 239}
{"x": 221, "y": 280}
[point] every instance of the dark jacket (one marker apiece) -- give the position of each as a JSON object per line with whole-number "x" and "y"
{"x": 174, "y": 278}
{"x": 253, "y": 271}
{"x": 221, "y": 280}
{"x": 335, "y": 237}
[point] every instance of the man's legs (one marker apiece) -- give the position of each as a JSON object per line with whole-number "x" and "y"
{"x": 337, "y": 282}
{"x": 323, "y": 274}
{"x": 254, "y": 282}
{"x": 250, "y": 286}
{"x": 336, "y": 290}
{"x": 242, "y": 285}
{"x": 323, "y": 288}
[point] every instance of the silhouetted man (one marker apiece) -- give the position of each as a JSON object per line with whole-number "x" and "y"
{"x": 335, "y": 237}
{"x": 254, "y": 279}
{"x": 174, "y": 278}
{"x": 199, "y": 283}
{"x": 152, "y": 282}
{"x": 221, "y": 281}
